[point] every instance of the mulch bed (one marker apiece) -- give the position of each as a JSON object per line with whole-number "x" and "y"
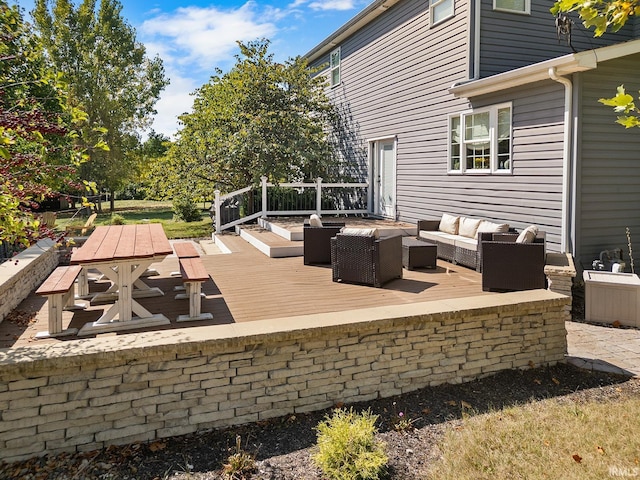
{"x": 282, "y": 447}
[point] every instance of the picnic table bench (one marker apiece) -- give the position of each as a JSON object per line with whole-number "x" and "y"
{"x": 60, "y": 292}
{"x": 193, "y": 273}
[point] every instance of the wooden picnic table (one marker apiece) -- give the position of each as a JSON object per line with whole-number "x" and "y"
{"x": 122, "y": 253}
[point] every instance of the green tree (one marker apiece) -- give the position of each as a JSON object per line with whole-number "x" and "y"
{"x": 109, "y": 76}
{"x": 604, "y": 15}
{"x": 38, "y": 158}
{"x": 262, "y": 118}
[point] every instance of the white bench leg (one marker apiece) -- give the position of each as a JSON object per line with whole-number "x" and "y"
{"x": 57, "y": 303}
{"x": 194, "y": 294}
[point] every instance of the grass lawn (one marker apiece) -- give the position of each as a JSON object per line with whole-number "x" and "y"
{"x": 146, "y": 211}
{"x": 548, "y": 439}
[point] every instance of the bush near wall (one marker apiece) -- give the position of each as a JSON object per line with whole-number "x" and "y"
{"x": 87, "y": 394}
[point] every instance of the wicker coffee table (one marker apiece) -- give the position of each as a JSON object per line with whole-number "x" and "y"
{"x": 418, "y": 254}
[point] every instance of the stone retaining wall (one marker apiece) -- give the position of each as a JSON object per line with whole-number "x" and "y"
{"x": 87, "y": 394}
{"x": 24, "y": 273}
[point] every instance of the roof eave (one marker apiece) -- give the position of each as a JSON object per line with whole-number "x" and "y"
{"x": 565, "y": 65}
{"x": 373, "y": 11}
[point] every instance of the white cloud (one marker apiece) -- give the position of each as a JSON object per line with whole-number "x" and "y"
{"x": 332, "y": 5}
{"x": 204, "y": 36}
{"x": 175, "y": 100}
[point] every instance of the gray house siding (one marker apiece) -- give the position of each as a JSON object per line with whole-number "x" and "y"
{"x": 608, "y": 198}
{"x": 532, "y": 194}
{"x": 395, "y": 77}
{"x": 511, "y": 40}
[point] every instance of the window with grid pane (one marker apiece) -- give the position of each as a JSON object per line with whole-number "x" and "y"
{"x": 440, "y": 10}
{"x": 515, "y": 6}
{"x": 335, "y": 66}
{"x": 480, "y": 141}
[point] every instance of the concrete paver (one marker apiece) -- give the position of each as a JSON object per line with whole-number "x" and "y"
{"x": 599, "y": 347}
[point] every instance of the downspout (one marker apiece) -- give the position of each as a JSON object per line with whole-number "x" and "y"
{"x": 566, "y": 159}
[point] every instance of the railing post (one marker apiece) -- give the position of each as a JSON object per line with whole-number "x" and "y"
{"x": 264, "y": 196}
{"x": 216, "y": 194}
{"x": 319, "y": 196}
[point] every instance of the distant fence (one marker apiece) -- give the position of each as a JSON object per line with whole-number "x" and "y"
{"x": 289, "y": 199}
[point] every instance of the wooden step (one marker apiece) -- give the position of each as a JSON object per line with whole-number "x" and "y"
{"x": 270, "y": 243}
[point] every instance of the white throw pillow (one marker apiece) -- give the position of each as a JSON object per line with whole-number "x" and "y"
{"x": 361, "y": 232}
{"x": 314, "y": 221}
{"x": 528, "y": 235}
{"x": 468, "y": 227}
{"x": 490, "y": 227}
{"x": 449, "y": 224}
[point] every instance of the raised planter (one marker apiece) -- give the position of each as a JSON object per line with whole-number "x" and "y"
{"x": 612, "y": 297}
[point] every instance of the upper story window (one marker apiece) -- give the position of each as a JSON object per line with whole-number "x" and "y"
{"x": 513, "y": 6}
{"x": 440, "y": 10}
{"x": 334, "y": 66}
{"x": 480, "y": 141}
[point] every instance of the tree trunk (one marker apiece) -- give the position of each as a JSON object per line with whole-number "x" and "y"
{"x": 112, "y": 201}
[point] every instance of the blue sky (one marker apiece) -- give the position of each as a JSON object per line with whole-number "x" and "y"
{"x": 193, "y": 37}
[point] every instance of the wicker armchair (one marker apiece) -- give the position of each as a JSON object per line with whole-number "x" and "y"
{"x": 317, "y": 242}
{"x": 507, "y": 265}
{"x": 365, "y": 259}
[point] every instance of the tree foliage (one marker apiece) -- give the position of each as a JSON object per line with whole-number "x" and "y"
{"x": 262, "y": 118}
{"x": 38, "y": 158}
{"x": 109, "y": 76}
{"x": 604, "y": 15}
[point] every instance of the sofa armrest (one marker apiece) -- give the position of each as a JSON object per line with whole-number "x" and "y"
{"x": 513, "y": 266}
{"x": 428, "y": 225}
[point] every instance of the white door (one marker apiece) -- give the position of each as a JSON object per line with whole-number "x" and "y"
{"x": 384, "y": 178}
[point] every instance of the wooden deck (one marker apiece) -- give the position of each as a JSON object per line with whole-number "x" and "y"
{"x": 247, "y": 285}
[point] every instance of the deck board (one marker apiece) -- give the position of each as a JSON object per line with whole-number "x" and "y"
{"x": 246, "y": 285}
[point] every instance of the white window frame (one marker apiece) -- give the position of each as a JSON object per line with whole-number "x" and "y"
{"x": 493, "y": 139}
{"x": 435, "y": 4}
{"x": 526, "y": 11}
{"x": 333, "y": 68}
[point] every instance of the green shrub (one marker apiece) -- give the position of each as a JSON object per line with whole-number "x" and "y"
{"x": 117, "y": 219}
{"x": 347, "y": 448}
{"x": 186, "y": 210}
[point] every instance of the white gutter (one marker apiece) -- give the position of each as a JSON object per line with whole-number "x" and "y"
{"x": 565, "y": 238}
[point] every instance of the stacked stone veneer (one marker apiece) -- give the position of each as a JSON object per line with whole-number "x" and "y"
{"x": 25, "y": 272}
{"x": 86, "y": 394}
{"x": 560, "y": 271}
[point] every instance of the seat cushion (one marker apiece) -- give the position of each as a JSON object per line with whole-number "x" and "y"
{"x": 468, "y": 227}
{"x": 528, "y": 235}
{"x": 449, "y": 224}
{"x": 438, "y": 237}
{"x": 314, "y": 221}
{"x": 361, "y": 232}
{"x": 490, "y": 227}
{"x": 467, "y": 243}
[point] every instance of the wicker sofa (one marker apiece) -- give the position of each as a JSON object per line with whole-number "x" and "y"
{"x": 365, "y": 259}
{"x": 458, "y": 240}
{"x": 317, "y": 242}
{"x": 510, "y": 266}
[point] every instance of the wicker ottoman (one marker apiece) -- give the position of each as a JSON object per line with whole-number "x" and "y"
{"x": 418, "y": 253}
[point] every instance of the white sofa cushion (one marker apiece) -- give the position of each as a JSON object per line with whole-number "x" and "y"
{"x": 438, "y": 236}
{"x": 528, "y": 235}
{"x": 466, "y": 243}
{"x": 449, "y": 224}
{"x": 490, "y": 227}
{"x": 361, "y": 232}
{"x": 314, "y": 221}
{"x": 468, "y": 227}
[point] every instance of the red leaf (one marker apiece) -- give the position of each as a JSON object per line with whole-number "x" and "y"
{"x": 577, "y": 457}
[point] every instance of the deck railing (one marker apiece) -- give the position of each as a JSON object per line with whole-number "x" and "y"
{"x": 287, "y": 199}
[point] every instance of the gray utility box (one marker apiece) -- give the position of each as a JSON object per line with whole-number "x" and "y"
{"x": 611, "y": 297}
